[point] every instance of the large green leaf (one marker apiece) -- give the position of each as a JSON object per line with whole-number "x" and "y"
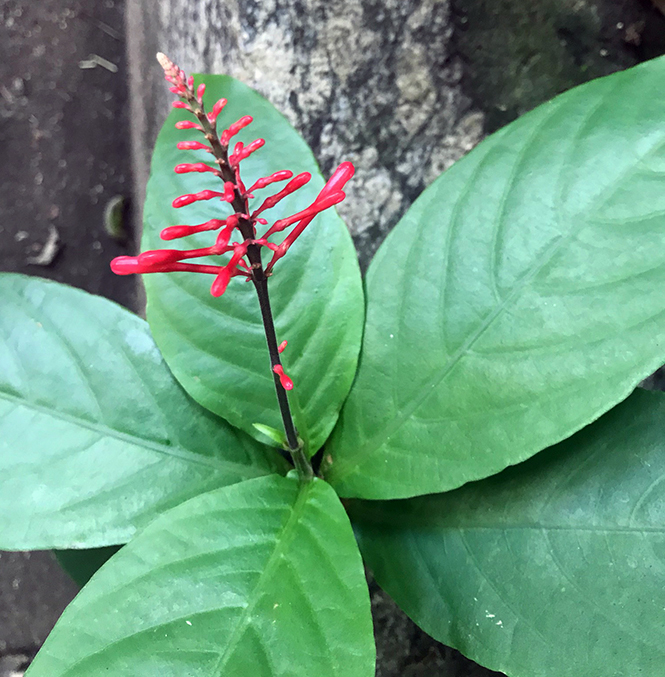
{"x": 519, "y": 298}
{"x": 96, "y": 436}
{"x": 554, "y": 568}
{"x": 261, "y": 579}
{"x": 216, "y": 347}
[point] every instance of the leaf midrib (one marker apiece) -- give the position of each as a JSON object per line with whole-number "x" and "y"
{"x": 283, "y": 539}
{"x": 175, "y": 451}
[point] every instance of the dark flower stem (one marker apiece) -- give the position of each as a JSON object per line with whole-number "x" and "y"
{"x": 240, "y": 205}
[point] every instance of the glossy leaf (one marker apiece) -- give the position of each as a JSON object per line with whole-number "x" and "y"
{"x": 554, "y": 568}
{"x": 96, "y": 436}
{"x": 519, "y": 298}
{"x": 262, "y": 578}
{"x": 216, "y": 346}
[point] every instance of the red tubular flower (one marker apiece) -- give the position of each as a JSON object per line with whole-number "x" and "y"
{"x": 286, "y": 382}
{"x": 245, "y": 257}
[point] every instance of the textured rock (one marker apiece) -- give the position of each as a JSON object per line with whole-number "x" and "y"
{"x": 520, "y": 53}
{"x": 373, "y": 82}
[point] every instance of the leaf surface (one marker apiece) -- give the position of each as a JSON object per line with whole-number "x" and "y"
{"x": 262, "y": 578}
{"x": 216, "y": 346}
{"x": 519, "y": 298}
{"x": 96, "y": 436}
{"x": 554, "y": 568}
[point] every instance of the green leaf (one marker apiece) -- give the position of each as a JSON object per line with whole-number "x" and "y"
{"x": 554, "y": 568}
{"x": 82, "y": 564}
{"x": 216, "y": 347}
{"x": 96, "y": 436}
{"x": 261, "y": 579}
{"x": 519, "y": 299}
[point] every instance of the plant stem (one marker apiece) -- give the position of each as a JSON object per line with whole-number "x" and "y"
{"x": 294, "y": 443}
{"x": 241, "y": 206}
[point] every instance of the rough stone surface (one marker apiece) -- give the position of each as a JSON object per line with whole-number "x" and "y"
{"x": 374, "y": 82}
{"x": 519, "y": 53}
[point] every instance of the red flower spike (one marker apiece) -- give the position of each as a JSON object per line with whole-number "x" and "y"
{"x": 195, "y": 167}
{"x": 290, "y": 187}
{"x": 234, "y": 191}
{"x": 281, "y": 346}
{"x": 286, "y": 382}
{"x": 192, "y": 145}
{"x": 282, "y": 175}
{"x": 234, "y": 129}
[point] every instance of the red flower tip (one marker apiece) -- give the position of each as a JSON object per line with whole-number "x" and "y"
{"x": 229, "y": 191}
{"x": 286, "y": 382}
{"x": 221, "y": 283}
{"x": 195, "y": 167}
{"x": 293, "y": 185}
{"x": 175, "y": 232}
{"x": 282, "y": 175}
{"x": 192, "y": 145}
{"x": 188, "y": 124}
{"x": 319, "y": 205}
{"x": 282, "y": 345}
{"x": 188, "y": 199}
{"x": 200, "y": 91}
{"x": 241, "y": 153}
{"x": 234, "y": 129}
{"x": 179, "y": 104}
{"x": 339, "y": 179}
{"x": 125, "y": 265}
{"x": 190, "y": 82}
{"x": 171, "y": 71}
{"x": 159, "y": 257}
{"x": 216, "y": 110}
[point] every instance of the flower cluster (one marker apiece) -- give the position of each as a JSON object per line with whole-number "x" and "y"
{"x": 245, "y": 251}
